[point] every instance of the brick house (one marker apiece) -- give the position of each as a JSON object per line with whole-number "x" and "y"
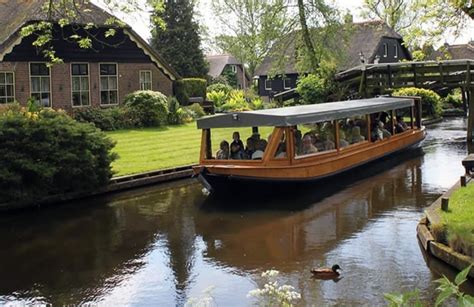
{"x": 371, "y": 41}
{"x": 99, "y": 76}
{"x": 225, "y": 64}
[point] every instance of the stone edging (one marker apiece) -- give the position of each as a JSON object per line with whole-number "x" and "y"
{"x": 439, "y": 250}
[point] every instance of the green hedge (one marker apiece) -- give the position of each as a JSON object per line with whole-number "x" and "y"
{"x": 48, "y": 153}
{"x": 147, "y": 108}
{"x": 312, "y": 89}
{"x": 189, "y": 87}
{"x": 430, "y": 101}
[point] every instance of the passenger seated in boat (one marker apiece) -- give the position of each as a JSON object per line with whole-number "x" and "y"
{"x": 298, "y": 141}
{"x": 250, "y": 149}
{"x": 329, "y": 142}
{"x": 260, "y": 150}
{"x": 356, "y": 137}
{"x": 281, "y": 151}
{"x": 342, "y": 139}
{"x": 223, "y": 152}
{"x": 237, "y": 141}
{"x": 235, "y": 152}
{"x": 308, "y": 147}
{"x": 385, "y": 132}
{"x": 400, "y": 125}
{"x": 376, "y": 132}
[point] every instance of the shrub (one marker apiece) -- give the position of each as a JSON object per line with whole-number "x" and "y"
{"x": 108, "y": 119}
{"x": 189, "y": 87}
{"x": 47, "y": 152}
{"x": 312, "y": 89}
{"x": 236, "y": 102}
{"x": 196, "y": 110}
{"x": 174, "y": 111}
{"x": 257, "y": 104}
{"x": 219, "y": 87}
{"x": 452, "y": 101}
{"x": 147, "y": 108}
{"x": 430, "y": 101}
{"x": 219, "y": 98}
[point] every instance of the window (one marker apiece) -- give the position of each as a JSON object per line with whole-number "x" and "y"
{"x": 385, "y": 50}
{"x": 7, "y": 87}
{"x": 108, "y": 84}
{"x": 286, "y": 83}
{"x": 145, "y": 80}
{"x": 310, "y": 139}
{"x": 80, "y": 85}
{"x": 233, "y": 68}
{"x": 395, "y": 49}
{"x": 40, "y": 84}
{"x": 268, "y": 85}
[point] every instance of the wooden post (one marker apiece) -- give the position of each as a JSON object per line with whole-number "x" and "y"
{"x": 369, "y": 124}
{"x": 336, "y": 134}
{"x": 392, "y": 121}
{"x": 444, "y": 204}
{"x": 464, "y": 100}
{"x": 463, "y": 181}
{"x": 470, "y": 119}
{"x": 389, "y": 70}
{"x": 415, "y": 82}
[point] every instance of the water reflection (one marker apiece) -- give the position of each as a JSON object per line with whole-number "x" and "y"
{"x": 161, "y": 245}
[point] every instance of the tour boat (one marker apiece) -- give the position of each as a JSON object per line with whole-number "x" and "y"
{"x": 305, "y": 143}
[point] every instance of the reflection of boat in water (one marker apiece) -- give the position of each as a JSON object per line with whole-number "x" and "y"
{"x": 309, "y": 142}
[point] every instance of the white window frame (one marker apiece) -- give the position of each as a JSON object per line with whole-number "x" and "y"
{"x": 80, "y": 91}
{"x": 396, "y": 51}
{"x": 234, "y": 68}
{"x": 41, "y": 76}
{"x": 100, "y": 84}
{"x": 268, "y": 88}
{"x": 285, "y": 80}
{"x": 143, "y": 83}
{"x": 6, "y": 96}
{"x": 385, "y": 50}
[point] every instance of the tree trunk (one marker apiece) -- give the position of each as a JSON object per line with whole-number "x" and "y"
{"x": 307, "y": 37}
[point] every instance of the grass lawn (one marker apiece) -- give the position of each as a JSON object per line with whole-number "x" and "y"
{"x": 148, "y": 149}
{"x": 460, "y": 220}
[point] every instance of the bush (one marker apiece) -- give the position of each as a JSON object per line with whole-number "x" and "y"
{"x": 219, "y": 87}
{"x": 312, "y": 89}
{"x": 452, "y": 101}
{"x": 147, "y": 108}
{"x": 108, "y": 119}
{"x": 46, "y": 153}
{"x": 174, "y": 111}
{"x": 189, "y": 87}
{"x": 196, "y": 110}
{"x": 257, "y": 104}
{"x": 430, "y": 101}
{"x": 236, "y": 102}
{"x": 218, "y": 98}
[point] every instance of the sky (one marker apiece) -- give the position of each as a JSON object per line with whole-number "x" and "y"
{"x": 140, "y": 21}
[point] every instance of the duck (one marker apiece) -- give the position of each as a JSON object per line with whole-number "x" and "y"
{"x": 326, "y": 273}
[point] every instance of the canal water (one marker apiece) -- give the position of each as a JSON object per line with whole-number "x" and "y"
{"x": 164, "y": 245}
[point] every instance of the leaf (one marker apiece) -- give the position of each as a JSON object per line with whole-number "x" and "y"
{"x": 444, "y": 295}
{"x": 394, "y": 299}
{"x": 466, "y": 301}
{"x": 461, "y": 277}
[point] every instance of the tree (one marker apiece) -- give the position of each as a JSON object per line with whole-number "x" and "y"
{"x": 420, "y": 22}
{"x": 178, "y": 41}
{"x": 251, "y": 27}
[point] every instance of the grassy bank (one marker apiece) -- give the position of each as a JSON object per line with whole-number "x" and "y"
{"x": 459, "y": 220}
{"x": 148, "y": 149}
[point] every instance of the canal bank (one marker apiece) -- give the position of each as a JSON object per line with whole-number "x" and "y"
{"x": 162, "y": 245}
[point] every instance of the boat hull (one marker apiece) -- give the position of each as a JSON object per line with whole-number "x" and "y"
{"x": 219, "y": 178}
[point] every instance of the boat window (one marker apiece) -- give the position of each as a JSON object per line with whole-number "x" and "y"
{"x": 403, "y": 120}
{"x": 315, "y": 138}
{"x": 281, "y": 152}
{"x": 237, "y": 144}
{"x": 381, "y": 127}
{"x": 352, "y": 130}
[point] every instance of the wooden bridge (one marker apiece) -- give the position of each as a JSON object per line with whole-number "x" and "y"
{"x": 440, "y": 76}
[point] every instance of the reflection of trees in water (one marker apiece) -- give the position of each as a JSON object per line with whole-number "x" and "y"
{"x": 67, "y": 255}
{"x": 267, "y": 239}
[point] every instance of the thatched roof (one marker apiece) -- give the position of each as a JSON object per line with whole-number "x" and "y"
{"x": 218, "y": 62}
{"x": 15, "y": 14}
{"x": 455, "y": 52}
{"x": 364, "y": 37}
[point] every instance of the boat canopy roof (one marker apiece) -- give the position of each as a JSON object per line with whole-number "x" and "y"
{"x": 291, "y": 116}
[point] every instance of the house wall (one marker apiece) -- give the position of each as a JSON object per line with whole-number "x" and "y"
{"x": 61, "y": 96}
{"x": 277, "y": 85}
{"x": 390, "y": 57}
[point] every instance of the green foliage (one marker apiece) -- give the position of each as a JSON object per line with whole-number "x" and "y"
{"x": 230, "y": 76}
{"x": 178, "y": 41}
{"x": 147, "y": 108}
{"x": 274, "y": 294}
{"x": 107, "y": 119}
{"x": 403, "y": 299}
{"x": 219, "y": 98}
{"x": 452, "y": 101}
{"x": 257, "y": 104}
{"x": 47, "y": 153}
{"x": 196, "y": 110}
{"x": 236, "y": 102}
{"x": 449, "y": 289}
{"x": 189, "y": 87}
{"x": 431, "y": 102}
{"x": 219, "y": 87}
{"x": 174, "y": 111}
{"x": 312, "y": 89}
